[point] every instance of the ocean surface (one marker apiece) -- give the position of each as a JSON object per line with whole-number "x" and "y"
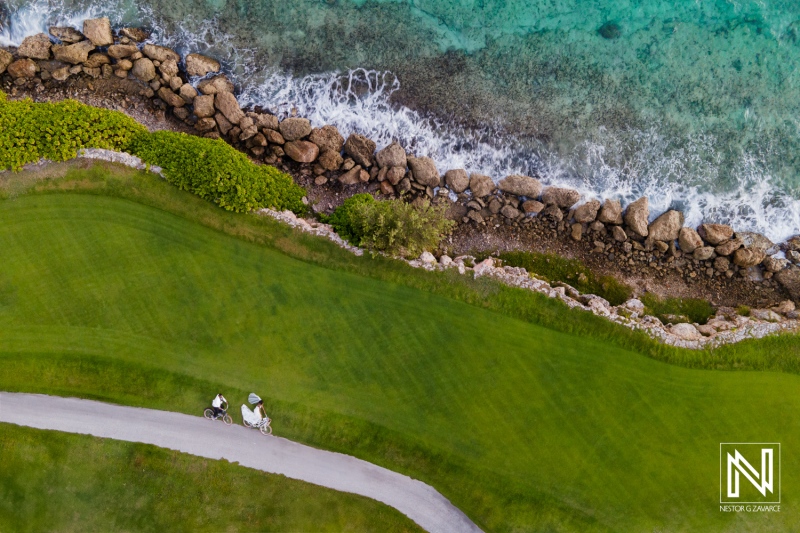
{"x": 692, "y": 103}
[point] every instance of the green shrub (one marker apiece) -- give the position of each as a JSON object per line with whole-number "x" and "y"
{"x": 743, "y": 310}
{"x": 571, "y": 271}
{"x": 671, "y": 309}
{"x": 31, "y": 131}
{"x": 341, "y": 219}
{"x": 399, "y": 228}
{"x": 217, "y": 172}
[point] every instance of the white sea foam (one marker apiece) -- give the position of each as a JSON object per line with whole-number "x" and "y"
{"x": 624, "y": 165}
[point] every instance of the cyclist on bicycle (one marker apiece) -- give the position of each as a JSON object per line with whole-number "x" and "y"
{"x": 217, "y": 404}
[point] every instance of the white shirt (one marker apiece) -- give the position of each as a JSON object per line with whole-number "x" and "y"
{"x": 257, "y": 412}
{"x": 218, "y": 401}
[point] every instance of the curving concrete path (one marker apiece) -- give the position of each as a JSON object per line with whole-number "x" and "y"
{"x": 214, "y": 440}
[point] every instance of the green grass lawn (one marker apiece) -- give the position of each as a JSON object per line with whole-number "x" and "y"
{"x": 526, "y": 415}
{"x": 51, "y": 481}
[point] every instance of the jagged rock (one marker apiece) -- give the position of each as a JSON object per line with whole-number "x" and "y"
{"x": 249, "y": 130}
{"x": 560, "y": 197}
{"x": 330, "y": 160}
{"x": 61, "y": 74}
{"x": 554, "y": 212}
{"x": 729, "y": 246}
{"x": 295, "y": 128}
{"x": 521, "y": 186}
{"x": 634, "y": 305}
{"x": 587, "y": 212}
{"x": 685, "y": 331}
{"x": 791, "y": 255}
{"x": 22, "y": 68}
{"x": 73, "y": 53}
{"x": 169, "y": 69}
{"x": 748, "y": 257}
{"x": 66, "y": 34}
{"x": 265, "y": 121}
{"x": 205, "y": 124}
{"x": 722, "y": 264}
{"x": 203, "y": 104}
{"x": 124, "y": 64}
{"x": 135, "y": 34}
{"x": 5, "y": 60}
{"x": 223, "y": 123}
{"x": 360, "y": 149}
{"x": 611, "y": 212}
{"x": 35, "y": 47}
{"x": 703, "y": 253}
{"x": 790, "y": 280}
{"x": 395, "y": 175}
{"x": 393, "y": 155}
{"x": 327, "y": 138}
{"x": 121, "y": 51}
{"x": 457, "y": 180}
{"x": 217, "y": 84}
{"x": 636, "y": 216}
{"x": 354, "y": 175}
{"x": 301, "y": 151}
{"x": 715, "y": 234}
{"x": 757, "y": 241}
{"x": 144, "y": 70}
{"x": 509, "y": 211}
{"x": 576, "y": 231}
{"x": 161, "y": 53}
{"x": 619, "y": 234}
{"x": 481, "y": 185}
{"x": 785, "y": 307}
{"x": 774, "y": 264}
{"x": 98, "y": 31}
{"x": 227, "y": 104}
{"x": 424, "y": 170}
{"x": 276, "y": 138}
{"x": 200, "y": 65}
{"x": 689, "y": 240}
{"x": 172, "y": 99}
{"x": 666, "y": 227}
{"x": 532, "y": 206}
{"x": 260, "y": 140}
{"x": 97, "y": 60}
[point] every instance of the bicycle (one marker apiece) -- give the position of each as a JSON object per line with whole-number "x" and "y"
{"x": 209, "y": 413}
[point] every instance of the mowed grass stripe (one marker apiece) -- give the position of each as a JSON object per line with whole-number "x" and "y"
{"x": 563, "y": 426}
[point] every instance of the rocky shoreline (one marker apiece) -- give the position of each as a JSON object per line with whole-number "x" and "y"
{"x": 160, "y": 88}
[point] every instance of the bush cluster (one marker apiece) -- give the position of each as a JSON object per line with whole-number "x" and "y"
{"x": 391, "y": 226}
{"x": 31, "y": 131}
{"x": 209, "y": 168}
{"x": 213, "y": 170}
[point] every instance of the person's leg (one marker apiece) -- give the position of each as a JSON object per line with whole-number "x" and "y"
{"x": 217, "y": 412}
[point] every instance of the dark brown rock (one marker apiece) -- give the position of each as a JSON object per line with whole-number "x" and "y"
{"x": 66, "y": 34}
{"x": 611, "y": 212}
{"x": 587, "y": 212}
{"x": 360, "y": 148}
{"x": 276, "y": 138}
{"x": 97, "y": 60}
{"x": 481, "y": 185}
{"x": 301, "y": 151}
{"x": 121, "y": 51}
{"x": 295, "y": 128}
{"x": 666, "y": 227}
{"x": 748, "y": 257}
{"x": 703, "y": 253}
{"x": 553, "y": 212}
{"x": 424, "y": 170}
{"x": 395, "y": 175}
{"x": 264, "y": 120}
{"x": 205, "y": 124}
{"x": 35, "y": 47}
{"x": 521, "y": 186}
{"x": 73, "y": 53}
{"x": 352, "y": 176}
{"x": 636, "y": 216}
{"x": 715, "y": 234}
{"x": 457, "y": 180}
{"x": 689, "y": 240}
{"x": 393, "y": 155}
{"x": 790, "y": 280}
{"x": 560, "y": 197}
{"x": 22, "y": 69}
{"x": 5, "y": 60}
{"x": 171, "y": 99}
{"x": 726, "y": 248}
{"x": 227, "y": 104}
{"x": 135, "y": 34}
{"x": 532, "y": 206}
{"x": 203, "y": 104}
{"x": 327, "y": 138}
{"x": 329, "y": 159}
{"x": 161, "y": 53}
{"x": 98, "y": 31}
{"x": 188, "y": 93}
{"x": 200, "y": 65}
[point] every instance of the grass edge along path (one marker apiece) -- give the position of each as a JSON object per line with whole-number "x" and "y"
{"x": 341, "y": 430}
{"x": 55, "y": 481}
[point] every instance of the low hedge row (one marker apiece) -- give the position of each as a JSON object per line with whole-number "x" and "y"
{"x": 209, "y": 168}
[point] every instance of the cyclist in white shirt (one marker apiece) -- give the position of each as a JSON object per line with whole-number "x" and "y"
{"x": 259, "y": 410}
{"x": 217, "y": 403}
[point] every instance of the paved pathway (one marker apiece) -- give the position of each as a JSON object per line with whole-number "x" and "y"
{"x": 214, "y": 440}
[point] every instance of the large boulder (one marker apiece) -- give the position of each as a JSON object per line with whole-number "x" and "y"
{"x": 135, "y": 34}
{"x": 172, "y": 99}
{"x": 757, "y": 241}
{"x": 301, "y": 151}
{"x": 521, "y": 186}
{"x": 22, "y": 68}
{"x": 5, "y": 60}
{"x": 203, "y": 105}
{"x": 66, "y": 34}
{"x": 200, "y": 65}
{"x": 121, "y": 51}
{"x": 561, "y": 197}
{"x": 790, "y": 280}
{"x": 715, "y": 234}
{"x": 97, "y": 60}
{"x": 217, "y": 84}
{"x": 267, "y": 121}
{"x": 360, "y": 149}
{"x": 481, "y": 185}
{"x": 169, "y": 69}
{"x": 188, "y": 93}
{"x": 295, "y": 128}
{"x": 73, "y": 53}
{"x": 748, "y": 257}
{"x": 227, "y": 104}
{"x": 393, "y": 155}
{"x": 587, "y": 212}
{"x": 689, "y": 240}
{"x": 330, "y": 160}
{"x": 396, "y": 175}
{"x": 666, "y": 227}
{"x": 98, "y": 31}
{"x": 611, "y": 213}
{"x": 636, "y": 216}
{"x": 457, "y": 180}
{"x": 774, "y": 264}
{"x": 327, "y": 138}
{"x": 144, "y": 70}
{"x": 424, "y": 170}
{"x": 35, "y": 47}
{"x": 686, "y": 332}
{"x": 160, "y": 53}
{"x": 729, "y": 246}
{"x": 703, "y": 253}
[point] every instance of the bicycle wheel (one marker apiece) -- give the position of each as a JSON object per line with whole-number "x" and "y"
{"x": 246, "y": 424}
{"x": 266, "y": 429}
{"x": 227, "y": 419}
{"x": 209, "y": 413}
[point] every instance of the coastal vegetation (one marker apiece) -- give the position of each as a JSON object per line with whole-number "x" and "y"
{"x": 522, "y": 412}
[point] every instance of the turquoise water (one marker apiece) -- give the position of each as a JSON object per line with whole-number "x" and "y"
{"x": 695, "y": 104}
